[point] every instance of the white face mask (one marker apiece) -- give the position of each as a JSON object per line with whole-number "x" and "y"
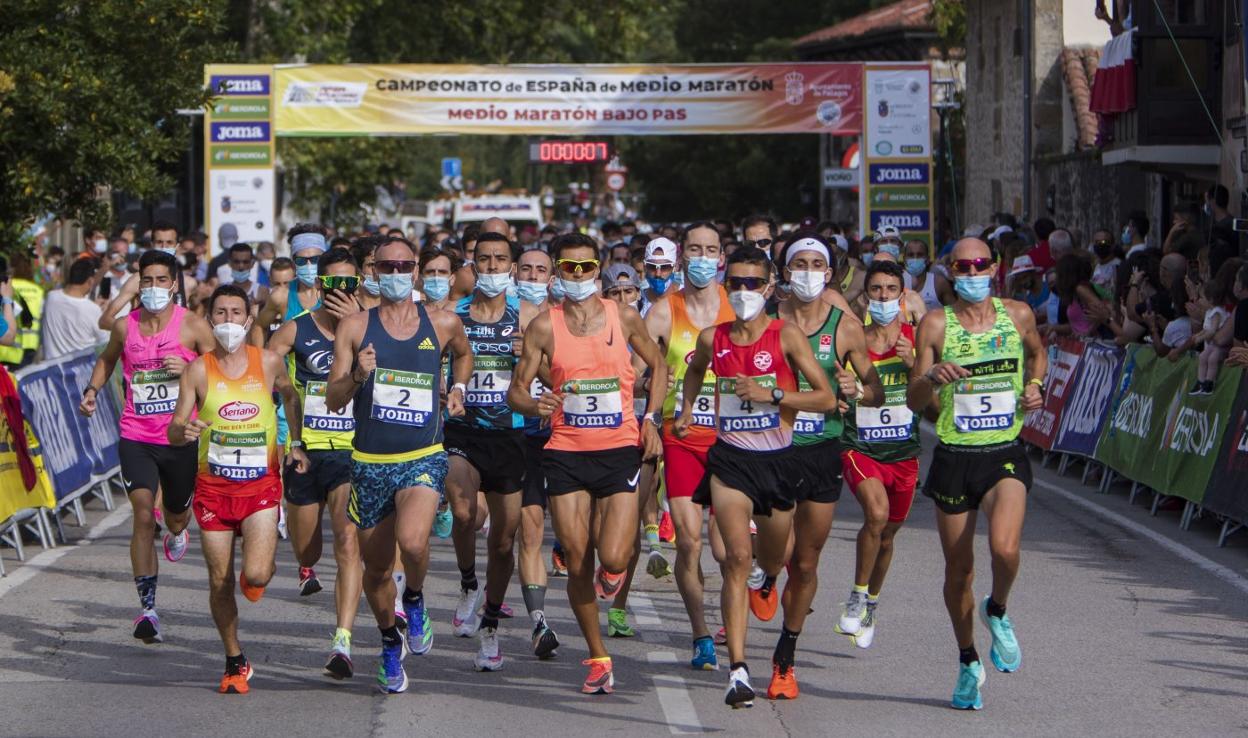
{"x": 807, "y": 286}
{"x": 746, "y": 303}
{"x": 229, "y": 335}
{"x": 101, "y": 245}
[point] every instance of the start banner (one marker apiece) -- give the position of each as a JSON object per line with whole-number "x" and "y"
{"x": 561, "y": 100}
{"x": 1040, "y": 426}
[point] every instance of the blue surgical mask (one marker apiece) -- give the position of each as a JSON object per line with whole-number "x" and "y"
{"x": 556, "y": 290}
{"x": 396, "y": 287}
{"x": 973, "y": 289}
{"x": 493, "y": 285}
{"x": 532, "y": 292}
{"x": 155, "y": 299}
{"x": 579, "y": 291}
{"x": 890, "y": 248}
{"x": 437, "y": 288}
{"x": 884, "y": 312}
{"x": 306, "y": 274}
{"x": 916, "y": 266}
{"x": 1126, "y": 236}
{"x": 867, "y": 258}
{"x": 240, "y": 276}
{"x": 660, "y": 285}
{"x": 678, "y": 277}
{"x": 371, "y": 286}
{"x": 701, "y": 270}
{"x": 172, "y": 251}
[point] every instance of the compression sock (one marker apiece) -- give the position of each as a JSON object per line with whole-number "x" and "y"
{"x": 785, "y": 648}
{"x": 412, "y": 597}
{"x": 147, "y": 591}
{"x": 493, "y": 611}
{"x": 468, "y": 578}
{"x": 968, "y": 655}
{"x": 995, "y": 609}
{"x": 652, "y": 537}
{"x": 390, "y": 637}
{"x": 535, "y": 600}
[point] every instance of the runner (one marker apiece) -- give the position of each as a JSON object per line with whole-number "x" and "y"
{"x": 675, "y": 324}
{"x": 242, "y": 263}
{"x": 238, "y": 485}
{"x": 364, "y": 250}
{"x": 155, "y": 343}
{"x": 931, "y": 286}
{"x": 660, "y": 266}
{"x": 485, "y": 447}
{"x": 816, "y": 455}
{"x": 438, "y": 272}
{"x": 307, "y": 243}
{"x": 982, "y": 360}
{"x": 388, "y": 361}
{"x": 592, "y": 462}
{"x": 881, "y": 456}
{"x": 750, "y": 470}
{"x": 307, "y": 344}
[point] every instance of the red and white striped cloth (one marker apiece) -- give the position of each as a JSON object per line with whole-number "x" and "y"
{"x": 1113, "y": 87}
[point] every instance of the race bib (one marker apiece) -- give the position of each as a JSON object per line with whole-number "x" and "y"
{"x": 154, "y": 392}
{"x": 593, "y": 403}
{"x": 537, "y": 389}
{"x": 403, "y": 398}
{"x": 807, "y": 423}
{"x": 491, "y": 376}
{"x": 703, "y": 404}
{"x": 239, "y": 457}
{"x": 891, "y": 422}
{"x": 744, "y": 416}
{"x": 317, "y": 416}
{"x": 983, "y": 405}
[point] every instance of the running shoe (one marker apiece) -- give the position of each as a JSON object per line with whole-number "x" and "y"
{"x": 783, "y": 684}
{"x": 851, "y": 617}
{"x": 657, "y": 565}
{"x": 606, "y": 584}
{"x": 400, "y": 619}
{"x": 558, "y": 567}
{"x": 721, "y": 637}
{"x": 253, "y": 594}
{"x": 544, "y": 640}
{"x": 175, "y": 546}
{"x": 617, "y": 624}
{"x": 704, "y": 657}
{"x": 740, "y": 693}
{"x": 757, "y": 577}
{"x": 600, "y": 680}
{"x": 309, "y": 584}
{"x": 419, "y": 629}
{"x": 763, "y": 603}
{"x": 505, "y": 612}
{"x": 442, "y": 523}
{"x": 339, "y": 665}
{"x": 391, "y": 678}
{"x": 1005, "y": 653}
{"x": 465, "y": 620}
{"x": 866, "y": 630}
{"x": 667, "y": 530}
{"x": 489, "y": 657}
{"x": 966, "y": 695}
{"x": 147, "y": 627}
{"x": 236, "y": 683}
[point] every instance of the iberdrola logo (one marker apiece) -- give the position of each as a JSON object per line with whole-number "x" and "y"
{"x": 385, "y": 377}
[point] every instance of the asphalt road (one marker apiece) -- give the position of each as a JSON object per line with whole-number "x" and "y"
{"x": 1128, "y": 626}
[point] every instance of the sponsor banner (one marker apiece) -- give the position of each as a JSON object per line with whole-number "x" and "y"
{"x": 240, "y": 132}
{"x": 243, "y": 197}
{"x": 900, "y": 198}
{"x": 904, "y": 220}
{"x": 1087, "y": 403}
{"x": 239, "y": 154}
{"x": 898, "y": 119}
{"x": 1133, "y": 427}
{"x": 243, "y": 83}
{"x": 364, "y": 99}
{"x": 1228, "y": 485}
{"x": 913, "y": 173}
{"x": 241, "y": 108}
{"x": 1040, "y": 426}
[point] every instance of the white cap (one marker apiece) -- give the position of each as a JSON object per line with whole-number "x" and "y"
{"x": 840, "y": 242}
{"x": 661, "y": 251}
{"x": 1000, "y": 230}
{"x": 888, "y": 232}
{"x": 1022, "y": 264}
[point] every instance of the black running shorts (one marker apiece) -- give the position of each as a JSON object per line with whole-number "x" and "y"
{"x": 601, "y": 473}
{"x": 150, "y": 466}
{"x": 497, "y": 455}
{"x": 771, "y": 479}
{"x": 960, "y": 476}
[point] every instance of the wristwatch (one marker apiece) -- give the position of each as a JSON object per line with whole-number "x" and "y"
{"x": 777, "y": 395}
{"x": 297, "y": 444}
{"x": 655, "y": 417}
{"x": 463, "y": 388}
{"x": 1038, "y": 382}
{"x": 91, "y": 387}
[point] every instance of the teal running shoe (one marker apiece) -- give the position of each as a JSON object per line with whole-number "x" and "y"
{"x": 966, "y": 695}
{"x": 704, "y": 655}
{"x": 442, "y": 522}
{"x": 419, "y": 629}
{"x": 1005, "y": 653}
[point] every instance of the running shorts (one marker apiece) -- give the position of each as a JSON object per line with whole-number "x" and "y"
{"x": 960, "y": 476}
{"x": 601, "y": 473}
{"x": 497, "y": 455}
{"x": 819, "y": 465}
{"x": 683, "y": 467}
{"x": 769, "y": 478}
{"x": 327, "y": 470}
{"x": 899, "y": 479}
{"x": 374, "y": 484}
{"x": 227, "y": 510}
{"x": 534, "y": 479}
{"x": 172, "y": 469}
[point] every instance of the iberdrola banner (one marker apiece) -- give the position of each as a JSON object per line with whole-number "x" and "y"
{"x": 406, "y": 99}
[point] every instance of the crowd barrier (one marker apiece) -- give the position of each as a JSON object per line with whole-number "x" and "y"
{"x": 1130, "y": 412}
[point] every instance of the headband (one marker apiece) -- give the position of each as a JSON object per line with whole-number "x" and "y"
{"x": 308, "y": 241}
{"x": 807, "y": 244}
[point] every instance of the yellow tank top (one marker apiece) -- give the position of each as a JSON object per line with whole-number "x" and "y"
{"x": 680, "y": 347}
{"x": 240, "y": 445}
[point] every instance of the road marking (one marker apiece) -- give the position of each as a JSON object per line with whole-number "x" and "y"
{"x": 1221, "y": 572}
{"x": 45, "y": 559}
{"x": 643, "y": 609}
{"x": 678, "y": 710}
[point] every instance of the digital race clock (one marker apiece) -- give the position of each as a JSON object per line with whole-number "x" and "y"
{"x": 569, "y": 152}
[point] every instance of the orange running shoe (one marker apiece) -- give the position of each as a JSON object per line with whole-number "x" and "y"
{"x": 606, "y": 584}
{"x": 764, "y": 605}
{"x": 667, "y": 531}
{"x": 600, "y": 679}
{"x": 237, "y": 683}
{"x": 253, "y": 594}
{"x": 783, "y": 684}
{"x": 558, "y": 567}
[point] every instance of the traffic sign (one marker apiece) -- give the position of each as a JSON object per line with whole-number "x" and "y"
{"x": 839, "y": 178}
{"x": 452, "y": 167}
{"x": 616, "y": 181}
{"x": 452, "y": 183}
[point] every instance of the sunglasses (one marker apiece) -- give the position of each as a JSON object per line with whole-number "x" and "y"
{"x": 394, "y": 266}
{"x": 1102, "y": 243}
{"x": 967, "y": 266}
{"x": 306, "y": 260}
{"x": 574, "y": 266}
{"x": 749, "y": 283}
{"x": 761, "y": 243}
{"x": 339, "y": 282}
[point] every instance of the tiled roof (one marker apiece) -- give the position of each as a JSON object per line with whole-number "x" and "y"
{"x": 1078, "y": 69}
{"x": 903, "y": 15}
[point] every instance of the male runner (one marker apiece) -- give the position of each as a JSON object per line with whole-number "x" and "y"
{"x": 881, "y": 451}
{"x": 388, "y": 361}
{"x": 485, "y": 447}
{"x": 816, "y": 455}
{"x": 660, "y": 271}
{"x": 982, "y": 359}
{"x": 238, "y": 485}
{"x": 675, "y": 324}
{"x": 307, "y": 243}
{"x": 307, "y": 344}
{"x": 591, "y": 462}
{"x": 750, "y": 470}
{"x": 155, "y": 343}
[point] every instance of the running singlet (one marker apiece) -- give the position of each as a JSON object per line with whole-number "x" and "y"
{"x": 681, "y": 344}
{"x": 396, "y": 409}
{"x": 983, "y": 409}
{"x": 309, "y": 361}
{"x": 888, "y": 433}
{"x": 745, "y": 424}
{"x": 241, "y": 440}
{"x": 493, "y": 361}
{"x": 812, "y": 428}
{"x": 595, "y": 375}
{"x": 151, "y": 390}
{"x": 293, "y": 306}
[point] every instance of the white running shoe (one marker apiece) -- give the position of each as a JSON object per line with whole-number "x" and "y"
{"x": 851, "y": 617}
{"x": 281, "y": 522}
{"x": 740, "y": 693}
{"x": 489, "y": 657}
{"x": 756, "y": 578}
{"x": 175, "y": 546}
{"x": 866, "y": 631}
{"x": 466, "y": 619}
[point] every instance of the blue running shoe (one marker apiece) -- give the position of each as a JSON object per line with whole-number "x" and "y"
{"x": 966, "y": 695}
{"x": 442, "y": 523}
{"x": 704, "y": 655}
{"x": 419, "y": 629}
{"x": 391, "y": 678}
{"x": 1005, "y": 653}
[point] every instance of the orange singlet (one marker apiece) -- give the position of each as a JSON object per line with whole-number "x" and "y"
{"x": 595, "y": 375}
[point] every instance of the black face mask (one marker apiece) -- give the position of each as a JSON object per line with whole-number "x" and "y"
{"x": 1102, "y": 249}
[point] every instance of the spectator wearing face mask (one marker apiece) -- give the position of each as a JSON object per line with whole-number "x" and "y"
{"x": 1105, "y": 271}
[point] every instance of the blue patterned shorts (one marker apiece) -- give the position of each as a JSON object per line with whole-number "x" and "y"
{"x": 374, "y": 485}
